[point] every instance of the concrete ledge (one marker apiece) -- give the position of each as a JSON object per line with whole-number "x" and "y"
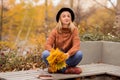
{"x": 111, "y": 53}
{"x": 100, "y": 52}
{"x": 92, "y": 52}
{"x": 88, "y": 70}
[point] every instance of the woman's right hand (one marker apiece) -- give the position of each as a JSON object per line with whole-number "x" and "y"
{"x": 67, "y": 54}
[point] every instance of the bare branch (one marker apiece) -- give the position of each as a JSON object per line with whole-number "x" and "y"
{"x": 112, "y": 4}
{"x": 104, "y": 6}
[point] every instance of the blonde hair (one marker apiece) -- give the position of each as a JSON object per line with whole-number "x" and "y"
{"x": 59, "y": 26}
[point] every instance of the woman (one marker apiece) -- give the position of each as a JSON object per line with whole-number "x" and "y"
{"x": 65, "y": 37}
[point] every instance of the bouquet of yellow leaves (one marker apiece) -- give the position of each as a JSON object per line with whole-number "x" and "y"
{"x": 56, "y": 60}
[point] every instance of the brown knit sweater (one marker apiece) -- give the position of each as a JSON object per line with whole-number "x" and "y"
{"x": 67, "y": 41}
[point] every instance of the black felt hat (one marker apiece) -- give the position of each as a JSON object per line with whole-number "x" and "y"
{"x": 65, "y": 9}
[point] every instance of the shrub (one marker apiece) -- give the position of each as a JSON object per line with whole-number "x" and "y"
{"x": 14, "y": 61}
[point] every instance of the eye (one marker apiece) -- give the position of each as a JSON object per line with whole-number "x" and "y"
{"x": 63, "y": 16}
{"x": 68, "y": 16}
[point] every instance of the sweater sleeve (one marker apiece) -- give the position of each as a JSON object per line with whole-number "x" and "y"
{"x": 75, "y": 43}
{"x": 50, "y": 41}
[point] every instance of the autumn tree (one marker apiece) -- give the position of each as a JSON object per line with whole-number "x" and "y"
{"x": 25, "y": 21}
{"x": 1, "y": 16}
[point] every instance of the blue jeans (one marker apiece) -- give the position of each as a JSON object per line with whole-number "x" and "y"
{"x": 71, "y": 62}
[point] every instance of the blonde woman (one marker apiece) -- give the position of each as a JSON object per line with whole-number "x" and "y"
{"x": 65, "y": 37}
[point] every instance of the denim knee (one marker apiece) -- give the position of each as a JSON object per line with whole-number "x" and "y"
{"x": 79, "y": 55}
{"x": 45, "y": 54}
{"x": 75, "y": 59}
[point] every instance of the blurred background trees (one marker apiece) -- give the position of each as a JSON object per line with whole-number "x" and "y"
{"x": 21, "y": 21}
{"x": 29, "y": 22}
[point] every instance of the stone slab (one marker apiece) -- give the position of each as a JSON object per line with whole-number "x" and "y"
{"x": 88, "y": 70}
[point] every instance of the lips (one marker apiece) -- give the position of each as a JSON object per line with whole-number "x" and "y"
{"x": 66, "y": 21}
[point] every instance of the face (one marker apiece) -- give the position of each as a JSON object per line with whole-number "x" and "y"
{"x": 65, "y": 17}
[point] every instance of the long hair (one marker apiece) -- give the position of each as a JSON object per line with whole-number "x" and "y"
{"x": 59, "y": 26}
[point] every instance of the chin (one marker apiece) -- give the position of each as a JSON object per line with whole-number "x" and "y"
{"x": 66, "y": 23}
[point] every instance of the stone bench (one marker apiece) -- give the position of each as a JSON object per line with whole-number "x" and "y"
{"x": 88, "y": 70}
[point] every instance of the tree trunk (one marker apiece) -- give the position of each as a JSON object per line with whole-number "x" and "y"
{"x": 117, "y": 20}
{"x": 29, "y": 29}
{"x": 71, "y": 3}
{"x": 46, "y": 18}
{"x": 118, "y": 5}
{"x": 77, "y": 13}
{"x": 1, "y": 25}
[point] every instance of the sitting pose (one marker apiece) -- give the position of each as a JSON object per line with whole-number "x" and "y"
{"x": 65, "y": 37}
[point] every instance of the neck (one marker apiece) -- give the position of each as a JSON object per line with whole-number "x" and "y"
{"x": 65, "y": 26}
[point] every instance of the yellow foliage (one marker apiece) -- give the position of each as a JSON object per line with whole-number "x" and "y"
{"x": 6, "y": 45}
{"x": 38, "y": 40}
{"x": 39, "y": 15}
{"x": 22, "y": 20}
{"x": 36, "y": 1}
{"x": 11, "y": 1}
{"x": 56, "y": 60}
{"x": 100, "y": 17}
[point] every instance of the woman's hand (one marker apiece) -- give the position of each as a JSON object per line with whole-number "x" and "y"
{"x": 67, "y": 54}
